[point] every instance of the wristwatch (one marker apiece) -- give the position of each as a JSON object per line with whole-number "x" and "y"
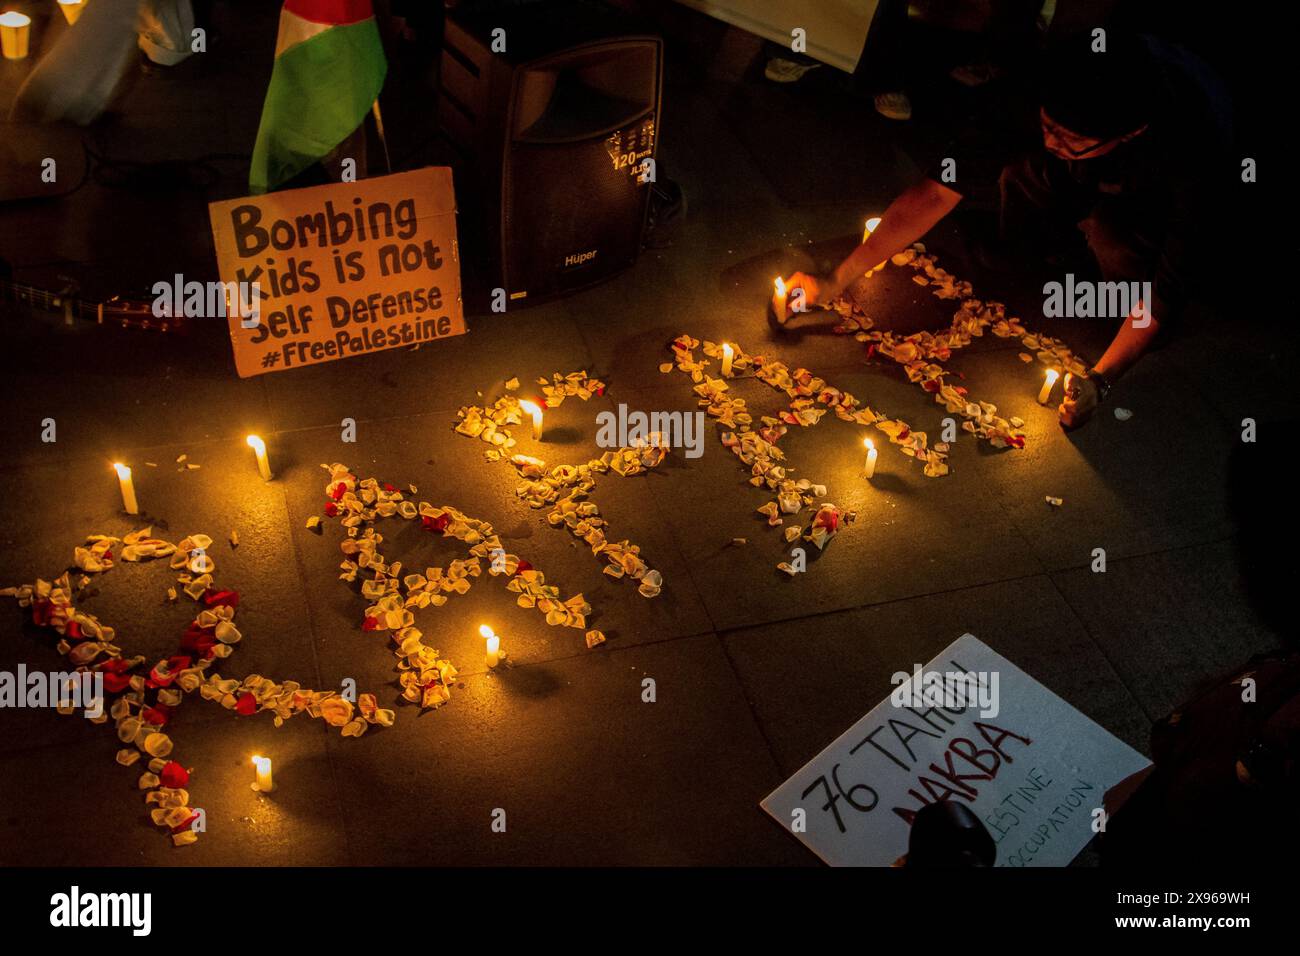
{"x": 1102, "y": 383}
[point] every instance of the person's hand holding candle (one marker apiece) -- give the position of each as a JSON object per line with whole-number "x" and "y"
{"x": 1081, "y": 400}
{"x": 810, "y": 291}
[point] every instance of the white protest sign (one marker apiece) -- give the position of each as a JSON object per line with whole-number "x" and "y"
{"x": 1032, "y": 768}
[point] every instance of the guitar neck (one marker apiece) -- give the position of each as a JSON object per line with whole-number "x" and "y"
{"x": 128, "y": 314}
{"x": 31, "y": 295}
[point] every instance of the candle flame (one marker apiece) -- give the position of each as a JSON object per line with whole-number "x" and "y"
{"x": 726, "y": 347}
{"x": 1052, "y": 375}
{"x": 12, "y": 18}
{"x": 530, "y": 407}
{"x": 867, "y": 442}
{"x": 260, "y": 762}
{"x": 872, "y": 224}
{"x": 256, "y": 443}
{"x": 780, "y": 286}
{"x": 122, "y": 470}
{"x": 486, "y": 631}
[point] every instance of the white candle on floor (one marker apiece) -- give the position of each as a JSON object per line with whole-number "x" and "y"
{"x": 779, "y": 306}
{"x": 264, "y": 783}
{"x": 869, "y": 469}
{"x": 727, "y": 352}
{"x": 1049, "y": 380}
{"x": 259, "y": 449}
{"x": 532, "y": 408}
{"x": 493, "y": 645}
{"x": 129, "y": 504}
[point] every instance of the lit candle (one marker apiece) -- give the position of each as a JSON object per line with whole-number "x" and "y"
{"x": 129, "y": 504}
{"x": 259, "y": 449}
{"x": 869, "y": 469}
{"x": 779, "y": 305}
{"x": 263, "y": 783}
{"x": 727, "y": 352}
{"x": 1048, "y": 381}
{"x": 71, "y": 9}
{"x": 532, "y": 408}
{"x": 493, "y": 646}
{"x": 15, "y": 31}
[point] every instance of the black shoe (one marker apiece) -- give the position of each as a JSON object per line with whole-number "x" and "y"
{"x": 667, "y": 211}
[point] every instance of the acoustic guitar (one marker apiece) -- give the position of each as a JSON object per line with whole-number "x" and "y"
{"x": 124, "y": 312}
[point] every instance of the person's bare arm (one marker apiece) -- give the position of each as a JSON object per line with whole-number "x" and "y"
{"x": 1131, "y": 342}
{"x": 909, "y": 217}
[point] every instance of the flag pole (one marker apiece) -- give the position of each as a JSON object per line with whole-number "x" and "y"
{"x": 383, "y": 140}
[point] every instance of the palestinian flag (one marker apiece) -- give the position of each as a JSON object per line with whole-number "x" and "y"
{"x": 329, "y": 68}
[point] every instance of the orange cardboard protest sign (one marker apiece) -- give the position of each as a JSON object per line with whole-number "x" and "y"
{"x": 340, "y": 270}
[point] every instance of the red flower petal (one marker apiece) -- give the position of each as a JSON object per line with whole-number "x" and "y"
{"x": 198, "y": 641}
{"x": 246, "y": 705}
{"x": 331, "y": 509}
{"x": 523, "y": 566}
{"x": 174, "y": 775}
{"x": 158, "y": 714}
{"x": 164, "y": 672}
{"x": 41, "y": 612}
{"x": 182, "y": 827}
{"x": 369, "y": 624}
{"x": 439, "y": 523}
{"x": 116, "y": 678}
{"x": 212, "y": 598}
{"x": 339, "y": 490}
{"x": 116, "y": 683}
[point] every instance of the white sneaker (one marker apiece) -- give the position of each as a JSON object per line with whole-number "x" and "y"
{"x": 975, "y": 74}
{"x": 780, "y": 70}
{"x": 894, "y": 106}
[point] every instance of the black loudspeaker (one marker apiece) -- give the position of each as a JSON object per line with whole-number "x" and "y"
{"x": 552, "y": 108}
